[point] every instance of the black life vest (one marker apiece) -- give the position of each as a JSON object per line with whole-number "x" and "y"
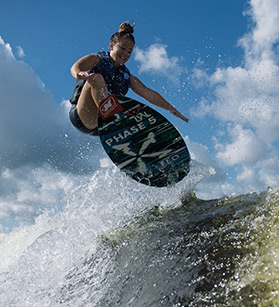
{"x": 117, "y": 80}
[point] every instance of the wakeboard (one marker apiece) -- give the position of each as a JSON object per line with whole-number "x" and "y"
{"x": 142, "y": 142}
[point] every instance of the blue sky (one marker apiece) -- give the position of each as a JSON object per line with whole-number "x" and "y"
{"x": 216, "y": 61}
{"x": 53, "y": 34}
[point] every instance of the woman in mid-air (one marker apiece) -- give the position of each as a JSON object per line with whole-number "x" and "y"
{"x": 104, "y": 73}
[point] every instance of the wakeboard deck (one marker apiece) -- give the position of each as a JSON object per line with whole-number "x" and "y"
{"x": 142, "y": 142}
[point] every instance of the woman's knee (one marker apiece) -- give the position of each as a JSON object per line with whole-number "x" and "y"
{"x": 97, "y": 81}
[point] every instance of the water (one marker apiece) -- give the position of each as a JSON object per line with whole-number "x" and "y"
{"x": 119, "y": 243}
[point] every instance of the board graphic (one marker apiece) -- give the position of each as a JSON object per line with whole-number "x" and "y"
{"x": 142, "y": 142}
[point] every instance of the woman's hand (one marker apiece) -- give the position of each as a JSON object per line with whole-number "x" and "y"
{"x": 81, "y": 67}
{"x": 178, "y": 114}
{"x": 84, "y": 75}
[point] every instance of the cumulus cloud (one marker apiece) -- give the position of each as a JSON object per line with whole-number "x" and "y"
{"x": 20, "y": 52}
{"x": 26, "y": 192}
{"x": 155, "y": 59}
{"x": 247, "y": 101}
{"x": 39, "y": 149}
{"x": 247, "y": 148}
{"x": 259, "y": 43}
{"x": 34, "y": 129}
{"x": 247, "y": 96}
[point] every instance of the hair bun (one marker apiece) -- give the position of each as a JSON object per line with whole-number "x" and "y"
{"x": 126, "y": 27}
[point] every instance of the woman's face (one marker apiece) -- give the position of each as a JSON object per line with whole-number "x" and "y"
{"x": 121, "y": 51}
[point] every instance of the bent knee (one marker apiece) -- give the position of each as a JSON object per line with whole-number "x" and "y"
{"x": 97, "y": 80}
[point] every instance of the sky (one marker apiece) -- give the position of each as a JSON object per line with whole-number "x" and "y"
{"x": 215, "y": 61}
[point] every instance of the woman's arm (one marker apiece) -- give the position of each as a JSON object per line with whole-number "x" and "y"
{"x": 152, "y": 96}
{"x": 81, "y": 67}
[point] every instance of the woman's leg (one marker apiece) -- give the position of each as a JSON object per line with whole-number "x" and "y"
{"x": 94, "y": 90}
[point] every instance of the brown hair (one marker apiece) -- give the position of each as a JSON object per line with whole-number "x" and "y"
{"x": 125, "y": 30}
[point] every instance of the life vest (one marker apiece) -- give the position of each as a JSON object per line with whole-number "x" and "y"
{"x": 117, "y": 80}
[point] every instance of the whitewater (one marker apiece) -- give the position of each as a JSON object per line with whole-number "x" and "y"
{"x": 116, "y": 242}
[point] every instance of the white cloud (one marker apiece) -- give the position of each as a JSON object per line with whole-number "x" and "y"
{"x": 6, "y": 50}
{"x": 39, "y": 148}
{"x": 247, "y": 99}
{"x": 258, "y": 43}
{"x": 26, "y": 192}
{"x": 156, "y": 59}
{"x": 247, "y": 96}
{"x": 33, "y": 128}
{"x": 20, "y": 52}
{"x": 247, "y": 148}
